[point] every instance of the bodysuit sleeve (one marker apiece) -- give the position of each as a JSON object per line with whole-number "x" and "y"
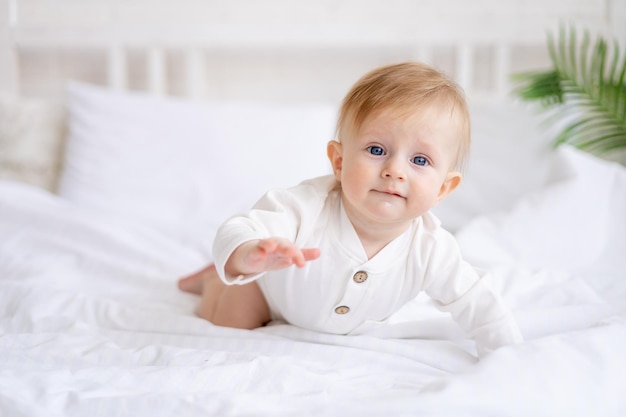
{"x": 464, "y": 292}
{"x": 279, "y": 213}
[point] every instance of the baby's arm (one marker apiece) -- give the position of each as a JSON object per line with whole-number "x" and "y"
{"x": 260, "y": 255}
{"x": 268, "y": 237}
{"x": 482, "y": 313}
{"x": 464, "y": 292}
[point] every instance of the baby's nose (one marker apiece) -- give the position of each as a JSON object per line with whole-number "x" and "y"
{"x": 394, "y": 170}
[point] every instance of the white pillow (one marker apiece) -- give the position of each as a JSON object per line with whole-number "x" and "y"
{"x": 509, "y": 157}
{"x": 182, "y": 166}
{"x": 575, "y": 220}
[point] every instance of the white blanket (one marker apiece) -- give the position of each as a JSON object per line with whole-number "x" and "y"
{"x": 91, "y": 322}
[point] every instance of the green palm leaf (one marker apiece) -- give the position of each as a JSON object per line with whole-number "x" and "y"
{"x": 585, "y": 91}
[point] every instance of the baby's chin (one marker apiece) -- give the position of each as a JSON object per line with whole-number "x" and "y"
{"x": 388, "y": 213}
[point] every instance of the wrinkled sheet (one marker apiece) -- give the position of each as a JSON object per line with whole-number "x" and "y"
{"x": 91, "y": 322}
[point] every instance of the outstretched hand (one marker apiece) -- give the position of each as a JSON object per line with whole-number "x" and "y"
{"x": 267, "y": 255}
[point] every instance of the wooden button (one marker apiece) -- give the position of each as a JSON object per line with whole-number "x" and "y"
{"x": 342, "y": 309}
{"x": 360, "y": 277}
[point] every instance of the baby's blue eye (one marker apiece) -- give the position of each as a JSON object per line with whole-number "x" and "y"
{"x": 420, "y": 160}
{"x": 376, "y": 150}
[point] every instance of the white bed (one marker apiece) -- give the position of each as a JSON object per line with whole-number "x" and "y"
{"x": 107, "y": 196}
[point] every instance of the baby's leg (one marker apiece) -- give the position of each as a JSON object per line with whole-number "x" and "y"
{"x": 239, "y": 306}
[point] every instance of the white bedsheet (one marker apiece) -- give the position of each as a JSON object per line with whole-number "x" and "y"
{"x": 91, "y": 322}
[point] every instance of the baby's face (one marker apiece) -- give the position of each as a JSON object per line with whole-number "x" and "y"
{"x": 394, "y": 169}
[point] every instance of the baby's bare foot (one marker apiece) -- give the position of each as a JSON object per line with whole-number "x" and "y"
{"x": 195, "y": 282}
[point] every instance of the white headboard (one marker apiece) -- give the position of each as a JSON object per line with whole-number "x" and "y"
{"x": 277, "y": 49}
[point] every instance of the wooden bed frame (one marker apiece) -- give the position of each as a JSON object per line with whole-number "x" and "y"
{"x": 277, "y": 49}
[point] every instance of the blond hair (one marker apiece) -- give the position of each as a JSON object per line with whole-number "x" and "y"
{"x": 404, "y": 87}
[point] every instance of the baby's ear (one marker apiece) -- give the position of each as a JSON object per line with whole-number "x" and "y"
{"x": 453, "y": 179}
{"x": 334, "y": 150}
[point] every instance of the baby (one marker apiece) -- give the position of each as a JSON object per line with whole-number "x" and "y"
{"x": 343, "y": 252}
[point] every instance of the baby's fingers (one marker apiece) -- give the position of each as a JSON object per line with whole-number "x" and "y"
{"x": 310, "y": 254}
{"x": 302, "y": 256}
{"x": 277, "y": 253}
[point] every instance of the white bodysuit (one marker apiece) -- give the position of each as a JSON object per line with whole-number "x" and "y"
{"x": 342, "y": 289}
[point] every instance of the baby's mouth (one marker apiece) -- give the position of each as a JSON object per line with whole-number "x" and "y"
{"x": 390, "y": 192}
